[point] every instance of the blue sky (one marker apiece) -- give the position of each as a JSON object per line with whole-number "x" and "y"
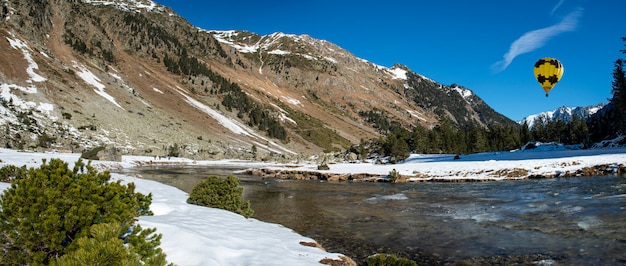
{"x": 487, "y": 46}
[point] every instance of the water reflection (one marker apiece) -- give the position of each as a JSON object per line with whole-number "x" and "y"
{"x": 568, "y": 221}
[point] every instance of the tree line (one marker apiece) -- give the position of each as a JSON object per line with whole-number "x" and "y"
{"x": 611, "y": 120}
{"x": 399, "y": 142}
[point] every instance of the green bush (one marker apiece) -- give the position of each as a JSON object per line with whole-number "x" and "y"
{"x": 11, "y": 173}
{"x": 394, "y": 176}
{"x": 47, "y": 209}
{"x": 221, "y": 193}
{"x": 323, "y": 166}
{"x": 103, "y": 246}
{"x": 389, "y": 260}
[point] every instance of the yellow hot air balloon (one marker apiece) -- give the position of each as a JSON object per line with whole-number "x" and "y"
{"x": 548, "y": 72}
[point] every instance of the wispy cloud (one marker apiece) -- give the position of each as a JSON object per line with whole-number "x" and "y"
{"x": 557, "y": 6}
{"x": 535, "y": 39}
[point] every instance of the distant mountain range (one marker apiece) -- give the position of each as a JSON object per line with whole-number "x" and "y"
{"x": 563, "y": 113}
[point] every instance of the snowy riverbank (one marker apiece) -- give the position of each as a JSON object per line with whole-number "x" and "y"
{"x": 195, "y": 235}
{"x": 546, "y": 161}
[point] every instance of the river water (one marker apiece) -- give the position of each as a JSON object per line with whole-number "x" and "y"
{"x": 570, "y": 221}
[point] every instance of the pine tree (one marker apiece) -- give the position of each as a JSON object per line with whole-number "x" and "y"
{"x": 619, "y": 95}
{"x": 48, "y": 208}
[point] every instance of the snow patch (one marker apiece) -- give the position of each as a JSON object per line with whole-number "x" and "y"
{"x": 283, "y": 115}
{"x": 19, "y": 103}
{"x": 292, "y": 101}
{"x": 32, "y": 65}
{"x": 225, "y": 36}
{"x": 116, "y": 76}
{"x": 330, "y": 59}
{"x": 230, "y": 124}
{"x": 221, "y": 119}
{"x": 46, "y": 108}
{"x": 465, "y": 93}
{"x": 129, "y": 5}
{"x": 310, "y": 57}
{"x": 398, "y": 73}
{"x": 416, "y": 115}
{"x": 94, "y": 81}
{"x": 279, "y": 52}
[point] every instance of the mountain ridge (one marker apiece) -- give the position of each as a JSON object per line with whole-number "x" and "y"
{"x": 564, "y": 113}
{"x": 135, "y": 76}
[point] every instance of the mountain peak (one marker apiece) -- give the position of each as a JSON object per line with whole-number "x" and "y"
{"x": 564, "y": 113}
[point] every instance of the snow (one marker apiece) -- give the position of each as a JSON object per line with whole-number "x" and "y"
{"x": 32, "y": 65}
{"x": 7, "y": 95}
{"x": 279, "y": 52}
{"x": 564, "y": 113}
{"x": 283, "y": 116}
{"x": 415, "y": 114}
{"x": 465, "y": 93}
{"x": 45, "y": 108}
{"x": 232, "y": 125}
{"x": 330, "y": 59}
{"x": 292, "y": 101}
{"x": 93, "y": 80}
{"x": 225, "y": 36}
{"x": 545, "y": 160}
{"x": 129, "y": 5}
{"x": 264, "y": 43}
{"x": 223, "y": 120}
{"x": 398, "y": 73}
{"x": 195, "y": 235}
{"x": 309, "y": 57}
{"x": 157, "y": 90}
{"x": 19, "y": 103}
{"x": 216, "y": 237}
{"x": 116, "y": 76}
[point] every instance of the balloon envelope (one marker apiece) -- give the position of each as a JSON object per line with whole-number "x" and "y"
{"x": 548, "y": 72}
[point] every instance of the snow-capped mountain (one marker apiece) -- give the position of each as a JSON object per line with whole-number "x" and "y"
{"x": 133, "y": 75}
{"x": 563, "y": 113}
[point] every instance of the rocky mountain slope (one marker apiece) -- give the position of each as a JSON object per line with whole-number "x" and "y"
{"x": 134, "y": 76}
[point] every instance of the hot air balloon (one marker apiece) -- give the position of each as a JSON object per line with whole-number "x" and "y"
{"x": 548, "y": 72}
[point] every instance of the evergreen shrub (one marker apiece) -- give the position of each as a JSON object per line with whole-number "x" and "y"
{"x": 48, "y": 210}
{"x": 221, "y": 193}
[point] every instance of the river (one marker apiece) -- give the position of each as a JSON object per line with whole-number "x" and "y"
{"x": 568, "y": 221}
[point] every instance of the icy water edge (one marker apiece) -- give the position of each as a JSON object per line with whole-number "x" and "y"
{"x": 568, "y": 221}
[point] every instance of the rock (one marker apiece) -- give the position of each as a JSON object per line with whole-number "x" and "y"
{"x": 352, "y": 157}
{"x": 110, "y": 154}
